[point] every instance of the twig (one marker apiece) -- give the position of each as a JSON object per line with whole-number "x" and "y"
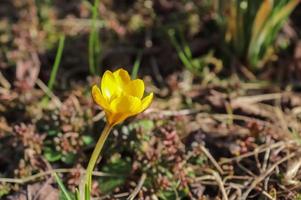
{"x": 168, "y": 113}
{"x": 232, "y": 177}
{"x": 292, "y": 170}
{"x": 4, "y": 82}
{"x": 281, "y": 120}
{"x": 99, "y": 116}
{"x": 205, "y": 177}
{"x": 257, "y": 98}
{"x": 220, "y": 184}
{"x": 46, "y": 173}
{"x": 116, "y": 196}
{"x": 243, "y": 168}
{"x": 266, "y": 158}
{"x": 266, "y": 194}
{"x": 261, "y": 149}
{"x": 266, "y": 184}
{"x": 258, "y": 164}
{"x": 222, "y": 117}
{"x": 208, "y": 154}
{"x": 238, "y": 192}
{"x": 48, "y": 92}
{"x": 137, "y": 189}
{"x": 120, "y": 195}
{"x": 215, "y": 176}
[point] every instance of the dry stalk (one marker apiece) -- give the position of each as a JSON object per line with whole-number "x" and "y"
{"x": 210, "y": 157}
{"x": 47, "y": 173}
{"x": 138, "y": 188}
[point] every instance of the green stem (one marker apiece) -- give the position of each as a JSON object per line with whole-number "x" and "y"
{"x": 96, "y": 153}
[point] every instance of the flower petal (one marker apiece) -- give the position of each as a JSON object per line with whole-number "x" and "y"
{"x": 123, "y": 107}
{"x": 135, "y": 88}
{"x": 122, "y": 77}
{"x": 146, "y": 101}
{"x": 99, "y": 99}
{"x": 126, "y": 104}
{"x": 109, "y": 87}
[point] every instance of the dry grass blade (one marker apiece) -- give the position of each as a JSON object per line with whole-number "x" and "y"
{"x": 46, "y": 173}
{"x": 232, "y": 25}
{"x": 210, "y": 157}
{"x": 220, "y": 184}
{"x": 138, "y": 188}
{"x": 292, "y": 170}
{"x": 268, "y": 32}
{"x": 256, "y": 98}
{"x": 49, "y": 93}
{"x": 261, "y": 16}
{"x": 4, "y": 82}
{"x": 260, "y": 149}
{"x": 285, "y": 11}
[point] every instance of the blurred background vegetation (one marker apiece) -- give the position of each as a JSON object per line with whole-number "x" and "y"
{"x": 226, "y": 76}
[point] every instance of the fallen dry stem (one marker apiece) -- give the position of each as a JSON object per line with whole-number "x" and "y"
{"x": 257, "y": 98}
{"x": 210, "y": 157}
{"x": 138, "y": 188}
{"x": 49, "y": 93}
{"x": 220, "y": 184}
{"x": 260, "y": 149}
{"x": 46, "y": 173}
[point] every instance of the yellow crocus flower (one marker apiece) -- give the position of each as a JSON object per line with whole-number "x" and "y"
{"x": 120, "y": 97}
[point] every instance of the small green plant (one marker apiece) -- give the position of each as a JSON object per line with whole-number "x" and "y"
{"x": 197, "y": 65}
{"x": 251, "y": 27}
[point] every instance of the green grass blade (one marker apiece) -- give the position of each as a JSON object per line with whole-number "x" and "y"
{"x": 136, "y": 66}
{"x": 91, "y": 53}
{"x": 87, "y": 192}
{"x": 97, "y": 51}
{"x": 261, "y": 16}
{"x": 57, "y": 62}
{"x": 62, "y": 187}
{"x": 77, "y": 194}
{"x": 94, "y": 47}
{"x": 179, "y": 50}
{"x": 269, "y": 32}
{"x": 186, "y": 47}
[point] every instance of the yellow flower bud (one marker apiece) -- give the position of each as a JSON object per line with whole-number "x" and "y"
{"x": 120, "y": 97}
